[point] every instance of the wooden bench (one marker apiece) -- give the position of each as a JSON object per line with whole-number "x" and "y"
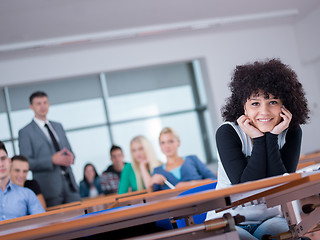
{"x": 125, "y": 217}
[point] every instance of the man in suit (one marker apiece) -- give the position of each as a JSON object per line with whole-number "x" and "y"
{"x": 47, "y": 148}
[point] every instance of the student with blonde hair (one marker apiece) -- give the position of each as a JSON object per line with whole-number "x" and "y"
{"x": 178, "y": 171}
{"x": 137, "y": 175}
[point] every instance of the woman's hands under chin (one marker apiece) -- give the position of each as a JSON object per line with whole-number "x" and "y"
{"x": 143, "y": 162}
{"x": 283, "y": 125}
{"x": 246, "y": 126}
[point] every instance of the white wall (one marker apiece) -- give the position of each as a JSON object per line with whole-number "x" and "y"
{"x": 308, "y": 38}
{"x": 221, "y": 51}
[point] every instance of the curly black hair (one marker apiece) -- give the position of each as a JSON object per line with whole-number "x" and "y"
{"x": 269, "y": 77}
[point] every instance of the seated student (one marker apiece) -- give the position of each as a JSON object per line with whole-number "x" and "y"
{"x": 111, "y": 177}
{"x": 90, "y": 186}
{"x": 18, "y": 173}
{"x": 179, "y": 171}
{"x": 15, "y": 201}
{"x": 261, "y": 137}
{"x": 138, "y": 175}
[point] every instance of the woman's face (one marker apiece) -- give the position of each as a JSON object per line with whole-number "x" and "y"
{"x": 169, "y": 144}
{"x": 89, "y": 173}
{"x": 137, "y": 151}
{"x": 263, "y": 112}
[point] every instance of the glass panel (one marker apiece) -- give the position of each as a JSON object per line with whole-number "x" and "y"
{"x": 199, "y": 81}
{"x": 148, "y": 79}
{"x": 186, "y": 125}
{"x": 4, "y": 127}
{"x": 2, "y": 101}
{"x": 19, "y": 119}
{"x": 9, "y": 148}
{"x": 123, "y": 133}
{"x": 150, "y": 103}
{"x": 211, "y": 136}
{"x": 90, "y": 145}
{"x": 79, "y": 114}
{"x": 59, "y": 91}
{"x": 16, "y": 145}
{"x": 4, "y": 124}
{"x": 71, "y": 115}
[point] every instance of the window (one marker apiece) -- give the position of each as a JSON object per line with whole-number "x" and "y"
{"x": 4, "y": 124}
{"x": 90, "y": 145}
{"x": 111, "y": 108}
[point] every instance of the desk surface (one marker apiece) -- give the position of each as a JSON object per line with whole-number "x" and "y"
{"x": 68, "y": 211}
{"x": 310, "y": 157}
{"x": 157, "y": 196}
{"x": 147, "y": 212}
{"x": 86, "y": 202}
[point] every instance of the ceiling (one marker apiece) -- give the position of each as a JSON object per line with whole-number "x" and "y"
{"x": 43, "y": 23}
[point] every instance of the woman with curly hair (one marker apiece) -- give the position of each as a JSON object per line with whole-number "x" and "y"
{"x": 261, "y": 136}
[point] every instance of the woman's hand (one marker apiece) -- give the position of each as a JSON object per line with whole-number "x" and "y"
{"x": 158, "y": 179}
{"x": 143, "y": 163}
{"x": 283, "y": 125}
{"x": 246, "y": 126}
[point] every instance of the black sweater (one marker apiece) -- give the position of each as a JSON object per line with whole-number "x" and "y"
{"x": 266, "y": 158}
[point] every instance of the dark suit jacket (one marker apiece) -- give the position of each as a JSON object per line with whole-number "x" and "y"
{"x": 34, "y": 145}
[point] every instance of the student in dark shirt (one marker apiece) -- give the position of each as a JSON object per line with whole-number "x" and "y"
{"x": 18, "y": 173}
{"x": 261, "y": 136}
{"x": 110, "y": 178}
{"x": 90, "y": 186}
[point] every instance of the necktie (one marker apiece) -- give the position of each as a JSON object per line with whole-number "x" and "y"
{"x": 56, "y": 145}
{"x": 53, "y": 139}
{"x": 57, "y": 148}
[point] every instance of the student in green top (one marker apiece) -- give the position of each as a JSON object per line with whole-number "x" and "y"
{"x": 137, "y": 176}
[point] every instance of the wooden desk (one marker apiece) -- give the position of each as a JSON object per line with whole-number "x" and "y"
{"x": 68, "y": 211}
{"x": 144, "y": 213}
{"x": 285, "y": 195}
{"x": 97, "y": 203}
{"x": 308, "y": 159}
{"x": 307, "y": 187}
{"x": 156, "y": 196}
{"x": 32, "y": 221}
{"x": 59, "y": 213}
{"x": 61, "y": 206}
